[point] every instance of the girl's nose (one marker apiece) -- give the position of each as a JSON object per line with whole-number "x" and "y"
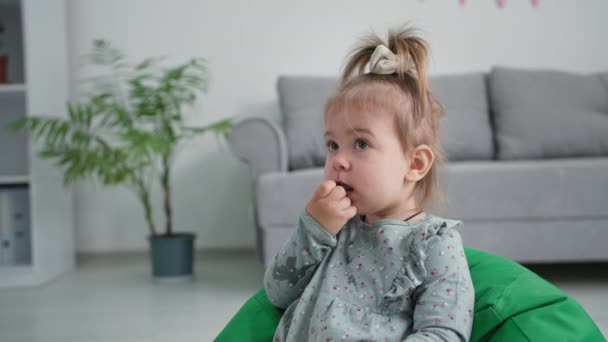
{"x": 341, "y": 162}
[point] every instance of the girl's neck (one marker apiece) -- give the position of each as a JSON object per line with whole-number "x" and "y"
{"x": 399, "y": 212}
{"x": 419, "y": 216}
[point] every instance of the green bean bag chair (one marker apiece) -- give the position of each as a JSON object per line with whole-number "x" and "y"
{"x": 511, "y": 304}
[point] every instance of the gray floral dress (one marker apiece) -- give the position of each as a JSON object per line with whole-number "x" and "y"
{"x": 388, "y": 281}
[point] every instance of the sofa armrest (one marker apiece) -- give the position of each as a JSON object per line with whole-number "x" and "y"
{"x": 261, "y": 144}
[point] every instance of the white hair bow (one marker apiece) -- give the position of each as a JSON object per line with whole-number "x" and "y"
{"x": 384, "y": 62}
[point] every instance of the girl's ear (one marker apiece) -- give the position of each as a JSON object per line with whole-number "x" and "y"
{"x": 420, "y": 163}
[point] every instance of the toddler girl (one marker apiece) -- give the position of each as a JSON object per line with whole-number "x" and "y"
{"x": 367, "y": 262}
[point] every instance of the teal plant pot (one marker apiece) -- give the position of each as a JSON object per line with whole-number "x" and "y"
{"x": 172, "y": 256}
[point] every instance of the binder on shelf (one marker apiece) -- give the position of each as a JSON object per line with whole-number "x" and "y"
{"x": 15, "y": 237}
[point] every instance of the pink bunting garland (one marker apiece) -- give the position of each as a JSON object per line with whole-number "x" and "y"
{"x": 501, "y": 3}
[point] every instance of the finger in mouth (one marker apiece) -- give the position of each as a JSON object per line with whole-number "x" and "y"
{"x": 346, "y": 187}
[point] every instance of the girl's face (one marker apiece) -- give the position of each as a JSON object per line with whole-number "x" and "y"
{"x": 366, "y": 156}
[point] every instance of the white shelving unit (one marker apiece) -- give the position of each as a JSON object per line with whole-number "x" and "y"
{"x": 13, "y": 180}
{"x": 12, "y": 88}
{"x": 33, "y": 37}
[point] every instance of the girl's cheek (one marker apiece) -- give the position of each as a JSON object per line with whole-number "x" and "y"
{"x": 328, "y": 169}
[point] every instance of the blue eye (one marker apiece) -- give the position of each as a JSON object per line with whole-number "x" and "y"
{"x": 332, "y": 146}
{"x": 361, "y": 145}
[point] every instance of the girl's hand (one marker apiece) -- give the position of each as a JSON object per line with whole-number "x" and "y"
{"x": 330, "y": 207}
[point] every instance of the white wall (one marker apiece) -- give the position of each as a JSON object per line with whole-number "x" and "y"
{"x": 250, "y": 43}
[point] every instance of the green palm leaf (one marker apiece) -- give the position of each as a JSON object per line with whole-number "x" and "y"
{"x": 128, "y": 126}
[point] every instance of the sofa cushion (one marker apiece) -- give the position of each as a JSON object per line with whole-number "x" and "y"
{"x": 482, "y": 190}
{"x": 302, "y": 101}
{"x": 549, "y": 114}
{"x": 543, "y": 189}
{"x": 466, "y": 127}
{"x": 281, "y": 197}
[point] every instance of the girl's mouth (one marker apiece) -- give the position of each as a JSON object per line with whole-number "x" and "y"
{"x": 346, "y": 187}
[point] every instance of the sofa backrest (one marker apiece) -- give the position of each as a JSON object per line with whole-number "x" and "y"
{"x": 465, "y": 128}
{"x": 302, "y": 100}
{"x": 549, "y": 114}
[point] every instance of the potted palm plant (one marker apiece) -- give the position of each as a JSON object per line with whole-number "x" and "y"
{"x": 126, "y": 131}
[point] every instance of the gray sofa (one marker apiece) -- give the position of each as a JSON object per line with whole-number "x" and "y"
{"x": 527, "y": 170}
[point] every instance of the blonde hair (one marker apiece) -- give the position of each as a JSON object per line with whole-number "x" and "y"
{"x": 405, "y": 93}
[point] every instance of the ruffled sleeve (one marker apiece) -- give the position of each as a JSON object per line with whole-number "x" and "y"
{"x": 444, "y": 298}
